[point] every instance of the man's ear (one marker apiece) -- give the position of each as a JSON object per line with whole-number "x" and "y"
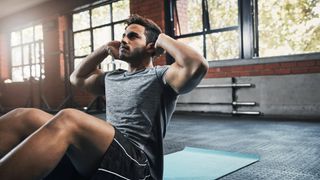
{"x": 150, "y": 48}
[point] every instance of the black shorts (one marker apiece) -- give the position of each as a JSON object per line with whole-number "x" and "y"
{"x": 123, "y": 160}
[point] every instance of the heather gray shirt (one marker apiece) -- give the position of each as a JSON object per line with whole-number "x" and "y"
{"x": 140, "y": 105}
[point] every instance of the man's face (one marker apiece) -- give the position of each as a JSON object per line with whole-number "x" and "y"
{"x": 133, "y": 43}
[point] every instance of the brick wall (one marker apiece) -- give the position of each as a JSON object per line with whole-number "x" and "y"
{"x": 282, "y": 68}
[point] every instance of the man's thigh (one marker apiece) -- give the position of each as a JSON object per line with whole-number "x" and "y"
{"x": 92, "y": 137}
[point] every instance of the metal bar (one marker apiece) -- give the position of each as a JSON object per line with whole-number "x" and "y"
{"x": 205, "y": 103}
{"x": 246, "y": 113}
{"x": 226, "y": 85}
{"x": 235, "y": 103}
{"x": 234, "y": 95}
{"x": 252, "y": 113}
{"x": 244, "y": 103}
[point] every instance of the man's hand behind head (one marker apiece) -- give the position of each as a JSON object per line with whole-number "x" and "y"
{"x": 112, "y": 48}
{"x": 158, "y": 49}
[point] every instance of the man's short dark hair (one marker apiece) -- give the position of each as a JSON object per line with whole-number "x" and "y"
{"x": 152, "y": 30}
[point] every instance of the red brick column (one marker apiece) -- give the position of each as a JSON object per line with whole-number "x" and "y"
{"x": 53, "y": 87}
{"x": 4, "y": 56}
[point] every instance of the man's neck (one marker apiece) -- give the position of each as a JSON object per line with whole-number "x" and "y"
{"x": 139, "y": 66}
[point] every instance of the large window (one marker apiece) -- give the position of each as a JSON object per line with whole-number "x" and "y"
{"x": 27, "y": 58}
{"x": 196, "y": 24}
{"x": 240, "y": 29}
{"x": 97, "y": 25}
{"x": 288, "y": 27}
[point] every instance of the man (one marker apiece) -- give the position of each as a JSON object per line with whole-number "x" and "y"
{"x": 139, "y": 104}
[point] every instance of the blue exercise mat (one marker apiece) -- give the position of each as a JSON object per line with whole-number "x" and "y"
{"x": 203, "y": 164}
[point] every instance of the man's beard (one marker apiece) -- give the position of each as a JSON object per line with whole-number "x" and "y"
{"x": 132, "y": 56}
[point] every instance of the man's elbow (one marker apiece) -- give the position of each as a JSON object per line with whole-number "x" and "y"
{"x": 195, "y": 77}
{"x": 201, "y": 67}
{"x": 204, "y": 64}
{"x": 75, "y": 81}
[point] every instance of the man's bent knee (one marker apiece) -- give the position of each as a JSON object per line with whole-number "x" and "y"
{"x": 21, "y": 112}
{"x": 64, "y": 120}
{"x": 25, "y": 118}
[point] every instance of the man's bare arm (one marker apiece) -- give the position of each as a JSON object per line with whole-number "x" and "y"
{"x": 87, "y": 75}
{"x": 189, "y": 66}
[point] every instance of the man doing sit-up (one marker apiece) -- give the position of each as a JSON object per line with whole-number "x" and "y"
{"x": 139, "y": 106}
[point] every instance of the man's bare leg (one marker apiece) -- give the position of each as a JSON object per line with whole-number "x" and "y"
{"x": 86, "y": 137}
{"x": 18, "y": 124}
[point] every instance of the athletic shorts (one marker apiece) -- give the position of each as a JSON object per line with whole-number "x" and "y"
{"x": 123, "y": 160}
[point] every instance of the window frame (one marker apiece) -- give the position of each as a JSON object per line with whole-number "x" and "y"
{"x": 248, "y": 37}
{"x": 21, "y": 44}
{"x": 112, "y": 24}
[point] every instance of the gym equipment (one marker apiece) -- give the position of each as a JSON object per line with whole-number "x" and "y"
{"x": 234, "y": 103}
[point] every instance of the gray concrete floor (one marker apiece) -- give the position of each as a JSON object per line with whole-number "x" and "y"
{"x": 287, "y": 149}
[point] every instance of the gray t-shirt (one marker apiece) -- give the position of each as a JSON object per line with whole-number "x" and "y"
{"x": 140, "y": 105}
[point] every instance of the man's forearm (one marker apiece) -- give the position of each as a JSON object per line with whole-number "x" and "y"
{"x": 184, "y": 55}
{"x": 189, "y": 66}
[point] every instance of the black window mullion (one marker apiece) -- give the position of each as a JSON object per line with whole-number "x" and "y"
{"x": 91, "y": 30}
{"x": 206, "y": 20}
{"x": 41, "y": 63}
{"x": 246, "y": 29}
{"x": 240, "y": 31}
{"x": 169, "y": 28}
{"x": 255, "y": 28}
{"x": 30, "y": 54}
{"x": 29, "y": 61}
{"x": 204, "y": 26}
{"x": 34, "y": 52}
{"x": 22, "y": 59}
{"x": 112, "y": 24}
{"x": 111, "y": 18}
{"x": 177, "y": 17}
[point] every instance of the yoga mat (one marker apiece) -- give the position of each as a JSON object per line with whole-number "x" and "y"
{"x": 204, "y": 164}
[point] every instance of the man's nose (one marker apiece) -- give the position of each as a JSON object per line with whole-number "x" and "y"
{"x": 124, "y": 40}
